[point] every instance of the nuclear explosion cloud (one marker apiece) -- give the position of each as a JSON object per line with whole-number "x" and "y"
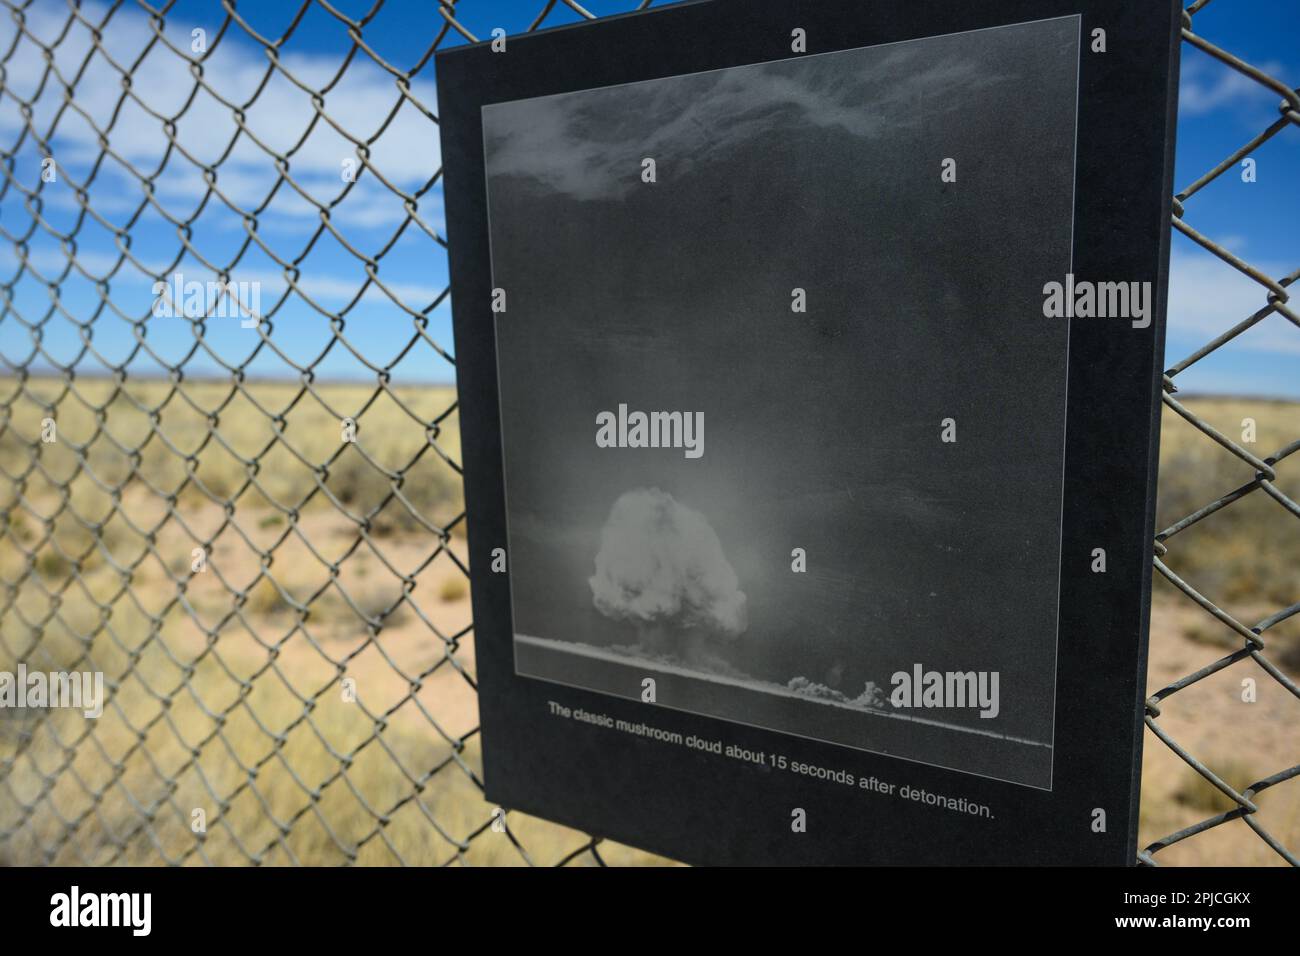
{"x": 661, "y": 566}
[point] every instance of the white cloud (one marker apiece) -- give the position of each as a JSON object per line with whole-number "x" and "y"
{"x": 1207, "y": 297}
{"x": 407, "y": 152}
{"x": 327, "y": 288}
{"x": 568, "y": 143}
{"x": 1205, "y": 85}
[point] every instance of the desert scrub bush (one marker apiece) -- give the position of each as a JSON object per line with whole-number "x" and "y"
{"x": 1244, "y": 554}
{"x": 265, "y": 599}
{"x": 1211, "y": 633}
{"x": 71, "y": 544}
{"x": 51, "y": 565}
{"x": 19, "y": 531}
{"x": 1287, "y": 654}
{"x": 381, "y": 603}
{"x": 1197, "y": 793}
{"x": 453, "y": 588}
{"x": 429, "y": 486}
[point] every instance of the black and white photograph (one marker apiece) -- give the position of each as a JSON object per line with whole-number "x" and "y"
{"x": 785, "y": 368}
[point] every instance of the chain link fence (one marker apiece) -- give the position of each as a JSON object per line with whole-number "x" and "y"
{"x": 262, "y": 554}
{"x": 1254, "y": 647}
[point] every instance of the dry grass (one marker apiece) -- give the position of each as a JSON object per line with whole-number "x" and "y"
{"x": 453, "y": 589}
{"x": 265, "y": 765}
{"x": 241, "y": 659}
{"x": 1249, "y": 551}
{"x": 248, "y": 465}
{"x": 1246, "y": 558}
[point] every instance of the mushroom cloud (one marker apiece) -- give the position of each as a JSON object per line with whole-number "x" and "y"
{"x": 661, "y": 567}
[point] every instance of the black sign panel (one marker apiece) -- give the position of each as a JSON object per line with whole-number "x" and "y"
{"x": 809, "y": 365}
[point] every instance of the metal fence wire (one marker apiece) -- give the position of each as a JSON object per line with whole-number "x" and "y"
{"x": 247, "y": 559}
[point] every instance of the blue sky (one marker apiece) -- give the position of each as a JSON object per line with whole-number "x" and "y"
{"x": 1219, "y": 111}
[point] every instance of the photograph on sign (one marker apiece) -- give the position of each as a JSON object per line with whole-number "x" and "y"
{"x": 739, "y": 485}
